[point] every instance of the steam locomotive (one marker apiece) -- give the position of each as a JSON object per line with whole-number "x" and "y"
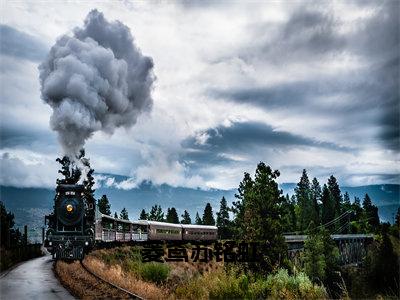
{"x": 76, "y": 226}
{"x": 70, "y": 228}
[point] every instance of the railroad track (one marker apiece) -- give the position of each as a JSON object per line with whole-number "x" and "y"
{"x": 131, "y": 295}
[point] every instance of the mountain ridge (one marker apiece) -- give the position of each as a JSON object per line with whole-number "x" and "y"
{"x": 31, "y": 204}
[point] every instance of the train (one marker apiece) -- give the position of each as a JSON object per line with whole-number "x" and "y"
{"x": 76, "y": 226}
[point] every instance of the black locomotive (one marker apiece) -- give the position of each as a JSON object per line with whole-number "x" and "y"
{"x": 70, "y": 228}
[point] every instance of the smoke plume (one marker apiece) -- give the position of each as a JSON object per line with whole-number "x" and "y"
{"x": 95, "y": 80}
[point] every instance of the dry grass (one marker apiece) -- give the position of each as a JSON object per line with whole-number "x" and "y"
{"x": 117, "y": 270}
{"x": 128, "y": 281}
{"x": 83, "y": 285}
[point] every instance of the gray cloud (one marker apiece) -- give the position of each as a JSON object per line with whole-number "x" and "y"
{"x": 20, "y": 44}
{"x": 97, "y": 80}
{"x": 243, "y": 136}
{"x": 369, "y": 97}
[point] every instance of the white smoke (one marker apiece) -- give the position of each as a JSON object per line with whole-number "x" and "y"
{"x": 95, "y": 80}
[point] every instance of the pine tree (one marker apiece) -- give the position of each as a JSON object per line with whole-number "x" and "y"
{"x": 371, "y": 213}
{"x": 156, "y": 214}
{"x": 316, "y": 195}
{"x": 358, "y": 224}
{"x": 143, "y": 215}
{"x": 7, "y": 223}
{"x": 314, "y": 258}
{"x": 172, "y": 216}
{"x": 289, "y": 214}
{"x": 223, "y": 222}
{"x": 245, "y": 191}
{"x": 336, "y": 195}
{"x": 104, "y": 205}
{"x": 328, "y": 205}
{"x": 115, "y": 215}
{"x": 346, "y": 202}
{"x": 259, "y": 210}
{"x": 397, "y": 220}
{"x": 208, "y": 217}
{"x": 198, "y": 220}
{"x": 186, "y": 218}
{"x": 65, "y": 169}
{"x": 303, "y": 195}
{"x": 124, "y": 214}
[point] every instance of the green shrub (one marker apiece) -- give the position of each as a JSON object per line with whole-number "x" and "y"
{"x": 155, "y": 272}
{"x": 283, "y": 286}
{"x": 227, "y": 285}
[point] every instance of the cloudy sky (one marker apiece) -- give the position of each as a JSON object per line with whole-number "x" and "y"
{"x": 294, "y": 84}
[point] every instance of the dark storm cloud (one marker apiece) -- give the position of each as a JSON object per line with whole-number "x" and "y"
{"x": 20, "y": 44}
{"x": 243, "y": 136}
{"x": 368, "y": 97}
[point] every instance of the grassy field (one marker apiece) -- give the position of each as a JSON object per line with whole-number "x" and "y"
{"x": 188, "y": 280}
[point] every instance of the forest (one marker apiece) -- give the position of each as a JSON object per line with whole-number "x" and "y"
{"x": 260, "y": 212}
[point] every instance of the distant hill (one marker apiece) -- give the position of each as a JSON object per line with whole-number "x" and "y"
{"x": 31, "y": 204}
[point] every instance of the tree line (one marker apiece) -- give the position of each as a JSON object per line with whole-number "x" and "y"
{"x": 157, "y": 214}
{"x": 309, "y": 207}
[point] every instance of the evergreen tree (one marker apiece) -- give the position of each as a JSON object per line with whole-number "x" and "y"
{"x": 7, "y": 223}
{"x": 316, "y": 195}
{"x": 332, "y": 280}
{"x": 347, "y": 207}
{"x": 143, "y": 215}
{"x": 371, "y": 213}
{"x": 104, "y": 205}
{"x": 314, "y": 258}
{"x": 198, "y": 220}
{"x": 69, "y": 170}
{"x": 336, "y": 195}
{"x": 186, "y": 218}
{"x": 289, "y": 214}
{"x": 65, "y": 169}
{"x": 346, "y": 199}
{"x": 115, "y": 215}
{"x": 239, "y": 207}
{"x": 156, "y": 214}
{"x": 124, "y": 214}
{"x": 172, "y": 216}
{"x": 328, "y": 205}
{"x": 258, "y": 215}
{"x": 303, "y": 195}
{"x": 223, "y": 222}
{"x": 397, "y": 220}
{"x": 208, "y": 216}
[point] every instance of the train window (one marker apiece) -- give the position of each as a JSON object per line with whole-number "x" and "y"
{"x": 70, "y": 193}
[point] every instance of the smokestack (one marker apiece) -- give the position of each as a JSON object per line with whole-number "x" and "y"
{"x": 95, "y": 80}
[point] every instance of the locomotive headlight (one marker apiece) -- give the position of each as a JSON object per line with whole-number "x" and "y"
{"x": 70, "y": 208}
{"x": 86, "y": 243}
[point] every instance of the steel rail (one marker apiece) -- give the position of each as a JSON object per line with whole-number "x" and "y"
{"x": 132, "y": 295}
